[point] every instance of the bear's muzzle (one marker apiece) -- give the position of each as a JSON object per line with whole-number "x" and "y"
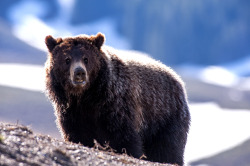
{"x": 79, "y": 77}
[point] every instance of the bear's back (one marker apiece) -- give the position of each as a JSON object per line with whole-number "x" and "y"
{"x": 155, "y": 87}
{"x": 145, "y": 68}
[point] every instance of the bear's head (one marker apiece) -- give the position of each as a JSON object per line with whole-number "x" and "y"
{"x": 73, "y": 62}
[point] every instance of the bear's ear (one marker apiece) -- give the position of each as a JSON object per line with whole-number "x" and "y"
{"x": 51, "y": 42}
{"x": 98, "y": 40}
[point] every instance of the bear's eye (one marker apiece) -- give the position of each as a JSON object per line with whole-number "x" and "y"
{"x": 67, "y": 60}
{"x": 86, "y": 60}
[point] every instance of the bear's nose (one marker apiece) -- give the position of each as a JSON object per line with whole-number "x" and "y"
{"x": 79, "y": 74}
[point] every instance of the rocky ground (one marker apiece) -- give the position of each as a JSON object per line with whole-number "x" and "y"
{"x": 20, "y": 146}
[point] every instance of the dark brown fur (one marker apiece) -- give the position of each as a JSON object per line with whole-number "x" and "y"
{"x": 137, "y": 105}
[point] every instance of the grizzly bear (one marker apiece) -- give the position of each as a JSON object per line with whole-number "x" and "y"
{"x": 124, "y": 99}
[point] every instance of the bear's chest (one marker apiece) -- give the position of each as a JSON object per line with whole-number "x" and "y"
{"x": 84, "y": 116}
{"x": 81, "y": 124}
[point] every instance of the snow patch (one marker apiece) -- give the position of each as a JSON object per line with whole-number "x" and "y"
{"x": 235, "y": 75}
{"x": 218, "y": 75}
{"x": 239, "y": 67}
{"x": 29, "y": 77}
{"x": 214, "y": 130}
{"x": 33, "y": 31}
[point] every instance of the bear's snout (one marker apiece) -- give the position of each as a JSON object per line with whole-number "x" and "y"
{"x": 79, "y": 76}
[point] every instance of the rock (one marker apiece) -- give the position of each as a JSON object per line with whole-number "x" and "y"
{"x": 19, "y": 145}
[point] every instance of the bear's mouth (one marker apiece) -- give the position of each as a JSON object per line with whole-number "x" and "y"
{"x": 79, "y": 82}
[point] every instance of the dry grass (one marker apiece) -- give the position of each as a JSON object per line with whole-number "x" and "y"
{"x": 1, "y": 139}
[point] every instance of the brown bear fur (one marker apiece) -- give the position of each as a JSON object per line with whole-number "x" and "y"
{"x": 121, "y": 98}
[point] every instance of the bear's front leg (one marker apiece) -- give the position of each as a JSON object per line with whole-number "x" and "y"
{"x": 120, "y": 134}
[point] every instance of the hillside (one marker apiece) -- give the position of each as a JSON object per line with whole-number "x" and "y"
{"x": 235, "y": 156}
{"x": 19, "y": 145}
{"x": 31, "y": 109}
